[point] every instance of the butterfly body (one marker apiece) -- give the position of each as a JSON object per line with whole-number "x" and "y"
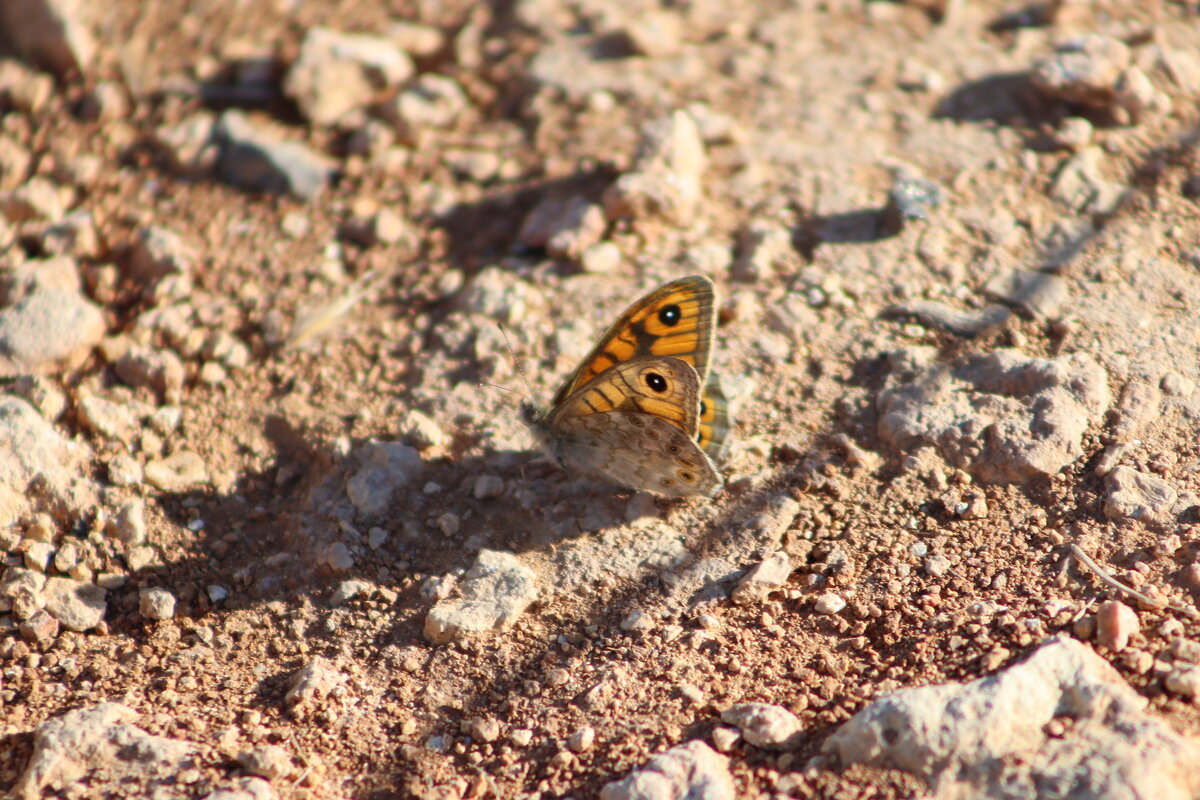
{"x": 637, "y": 411}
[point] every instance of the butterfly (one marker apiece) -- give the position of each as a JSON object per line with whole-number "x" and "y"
{"x": 642, "y": 410}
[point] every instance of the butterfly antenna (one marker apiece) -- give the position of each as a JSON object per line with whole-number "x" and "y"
{"x": 518, "y": 364}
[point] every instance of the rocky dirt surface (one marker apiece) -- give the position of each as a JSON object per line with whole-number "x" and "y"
{"x": 267, "y": 532}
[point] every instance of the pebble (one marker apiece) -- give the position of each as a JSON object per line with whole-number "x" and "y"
{"x": 564, "y": 227}
{"x": 312, "y": 684}
{"x": 1184, "y": 681}
{"x": 909, "y": 198}
{"x": 385, "y": 468}
{"x": 216, "y": 594}
{"x": 40, "y": 629}
{"x": 488, "y": 486}
{"x": 271, "y": 761}
{"x": 156, "y": 603}
{"x": 42, "y": 394}
{"x": 1074, "y": 133}
{"x": 38, "y": 555}
{"x": 41, "y": 528}
{"x": 376, "y": 537}
{"x": 254, "y": 160}
{"x": 178, "y": 472}
{"x": 1037, "y": 294}
{"x": 520, "y": 737}
{"x": 160, "y": 370}
{"x": 422, "y": 431}
{"x": 347, "y": 591}
{"x": 763, "y": 249}
{"x": 1115, "y": 624}
{"x": 763, "y": 724}
{"x": 106, "y": 418}
{"x": 666, "y": 178}
{"x": 188, "y": 144}
{"x": 724, "y": 739}
{"x": 829, "y": 603}
{"x": 582, "y": 739}
{"x": 495, "y": 591}
{"x": 51, "y": 33}
{"x": 125, "y": 470}
{"x": 47, "y": 331}
{"x": 767, "y": 576}
{"x": 937, "y": 565}
{"x": 1134, "y": 495}
{"x": 689, "y": 770}
{"x": 157, "y": 251}
{"x": 140, "y": 558}
{"x": 78, "y": 606}
{"x": 484, "y": 729}
{"x": 1175, "y": 385}
{"x": 637, "y": 620}
{"x": 338, "y": 73}
{"x": 430, "y": 101}
{"x": 601, "y": 258}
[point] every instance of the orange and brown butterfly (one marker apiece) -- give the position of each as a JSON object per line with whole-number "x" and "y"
{"x": 642, "y": 410}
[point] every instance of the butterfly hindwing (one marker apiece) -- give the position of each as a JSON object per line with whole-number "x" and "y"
{"x": 714, "y": 419}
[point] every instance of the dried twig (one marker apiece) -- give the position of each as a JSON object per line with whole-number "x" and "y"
{"x": 315, "y": 322}
{"x": 1113, "y": 583}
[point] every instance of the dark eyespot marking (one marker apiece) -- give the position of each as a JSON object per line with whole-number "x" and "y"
{"x": 670, "y": 315}
{"x": 651, "y": 433}
{"x": 703, "y": 408}
{"x": 699, "y": 435}
{"x": 656, "y": 382}
{"x": 636, "y": 422}
{"x": 667, "y": 482}
{"x": 674, "y": 448}
{"x": 686, "y": 477}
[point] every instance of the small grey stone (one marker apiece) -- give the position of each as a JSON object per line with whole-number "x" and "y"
{"x": 97, "y": 740}
{"x": 156, "y": 603}
{"x": 337, "y": 73}
{"x": 385, "y": 467}
{"x": 38, "y": 555}
{"x": 253, "y": 160}
{"x": 665, "y": 181}
{"x": 1036, "y": 293}
{"x": 125, "y": 470}
{"x": 40, "y": 630}
{"x": 160, "y": 370}
{"x": 909, "y": 199}
{"x": 420, "y": 429}
{"x": 157, "y": 251}
{"x": 42, "y": 393}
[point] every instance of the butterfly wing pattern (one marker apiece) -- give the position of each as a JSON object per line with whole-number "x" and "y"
{"x": 639, "y": 410}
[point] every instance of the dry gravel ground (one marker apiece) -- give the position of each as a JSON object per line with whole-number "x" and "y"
{"x": 266, "y": 534}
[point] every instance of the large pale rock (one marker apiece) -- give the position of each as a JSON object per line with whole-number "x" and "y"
{"x": 68, "y": 748}
{"x": 47, "y": 331}
{"x": 495, "y": 591}
{"x": 1002, "y": 416}
{"x": 988, "y": 738}
{"x": 690, "y": 771}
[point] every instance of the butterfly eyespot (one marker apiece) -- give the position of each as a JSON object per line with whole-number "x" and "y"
{"x": 636, "y": 422}
{"x": 686, "y": 477}
{"x": 651, "y": 433}
{"x": 667, "y": 482}
{"x": 656, "y": 382}
{"x": 670, "y": 315}
{"x": 674, "y": 448}
{"x": 703, "y": 408}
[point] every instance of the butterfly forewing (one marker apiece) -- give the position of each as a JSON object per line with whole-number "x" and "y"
{"x": 677, "y": 319}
